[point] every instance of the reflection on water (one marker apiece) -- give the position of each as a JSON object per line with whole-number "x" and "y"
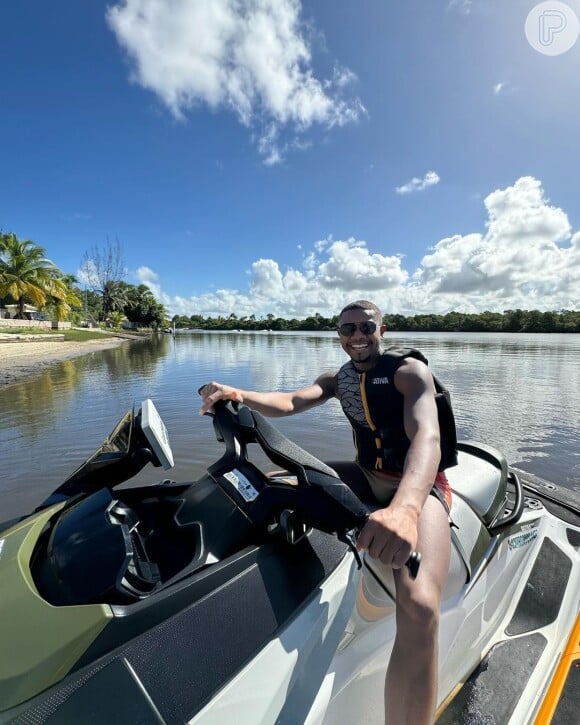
{"x": 522, "y": 396}
{"x": 57, "y": 389}
{"x": 520, "y": 393}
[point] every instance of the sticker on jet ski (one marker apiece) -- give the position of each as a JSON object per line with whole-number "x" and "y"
{"x": 241, "y": 484}
{"x": 527, "y": 534}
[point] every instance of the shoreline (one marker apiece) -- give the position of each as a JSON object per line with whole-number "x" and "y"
{"x": 21, "y": 360}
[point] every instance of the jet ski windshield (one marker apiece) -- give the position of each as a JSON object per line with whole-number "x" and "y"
{"x": 136, "y": 440}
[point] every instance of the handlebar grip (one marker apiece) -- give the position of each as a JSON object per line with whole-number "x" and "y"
{"x": 413, "y": 563}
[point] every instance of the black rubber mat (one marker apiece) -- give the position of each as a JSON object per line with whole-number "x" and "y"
{"x": 568, "y": 708}
{"x": 493, "y": 690}
{"x": 541, "y": 599}
{"x": 562, "y": 502}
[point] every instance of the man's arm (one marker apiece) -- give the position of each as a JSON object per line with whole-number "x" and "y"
{"x": 415, "y": 382}
{"x": 391, "y": 533}
{"x": 273, "y": 404}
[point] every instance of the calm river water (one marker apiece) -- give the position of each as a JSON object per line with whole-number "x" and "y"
{"x": 519, "y": 393}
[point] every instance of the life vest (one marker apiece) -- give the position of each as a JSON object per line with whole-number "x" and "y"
{"x": 374, "y": 408}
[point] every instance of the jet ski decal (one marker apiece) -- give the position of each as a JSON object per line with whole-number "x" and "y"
{"x": 527, "y": 534}
{"x": 241, "y": 484}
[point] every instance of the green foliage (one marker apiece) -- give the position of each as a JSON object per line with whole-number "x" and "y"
{"x": 83, "y": 335}
{"x": 508, "y": 321}
{"x": 28, "y": 277}
{"x": 141, "y": 307}
{"x": 69, "y": 335}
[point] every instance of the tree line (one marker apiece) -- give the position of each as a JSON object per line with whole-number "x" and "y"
{"x": 29, "y": 278}
{"x": 507, "y": 321}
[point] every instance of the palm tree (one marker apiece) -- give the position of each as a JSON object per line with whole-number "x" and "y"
{"x": 114, "y": 296}
{"x": 142, "y": 308}
{"x": 27, "y": 275}
{"x": 103, "y": 270}
{"x": 61, "y": 306}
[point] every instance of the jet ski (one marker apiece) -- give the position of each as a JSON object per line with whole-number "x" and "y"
{"x": 240, "y": 596}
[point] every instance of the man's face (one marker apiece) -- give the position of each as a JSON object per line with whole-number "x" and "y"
{"x": 363, "y": 346}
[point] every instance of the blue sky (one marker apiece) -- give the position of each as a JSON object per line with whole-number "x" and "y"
{"x": 281, "y": 156}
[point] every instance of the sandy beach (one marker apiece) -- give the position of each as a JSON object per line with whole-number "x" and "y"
{"x": 19, "y": 360}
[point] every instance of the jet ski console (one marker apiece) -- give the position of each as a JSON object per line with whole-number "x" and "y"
{"x": 118, "y": 547}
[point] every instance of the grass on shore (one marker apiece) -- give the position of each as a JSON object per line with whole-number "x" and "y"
{"x": 82, "y": 335}
{"x": 77, "y": 334}
{"x": 69, "y": 335}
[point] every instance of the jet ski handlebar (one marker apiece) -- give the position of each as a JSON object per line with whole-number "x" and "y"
{"x": 307, "y": 494}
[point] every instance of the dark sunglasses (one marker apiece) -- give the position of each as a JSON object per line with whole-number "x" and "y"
{"x": 348, "y": 328}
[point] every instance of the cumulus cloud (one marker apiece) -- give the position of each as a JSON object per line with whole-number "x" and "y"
{"x": 430, "y": 179}
{"x": 251, "y": 57}
{"x": 145, "y": 275}
{"x": 526, "y": 256}
{"x": 331, "y": 272}
{"x": 352, "y": 267}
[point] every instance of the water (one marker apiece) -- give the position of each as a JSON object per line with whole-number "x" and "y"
{"x": 519, "y": 393}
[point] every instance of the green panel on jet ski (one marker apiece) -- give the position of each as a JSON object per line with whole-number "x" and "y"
{"x": 39, "y": 643}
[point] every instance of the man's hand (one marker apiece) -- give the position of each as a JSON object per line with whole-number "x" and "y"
{"x": 390, "y": 535}
{"x": 212, "y": 392}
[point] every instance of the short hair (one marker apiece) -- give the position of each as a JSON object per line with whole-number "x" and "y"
{"x": 363, "y": 305}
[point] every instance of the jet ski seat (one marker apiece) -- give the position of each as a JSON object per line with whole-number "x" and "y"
{"x": 480, "y": 484}
{"x": 480, "y": 479}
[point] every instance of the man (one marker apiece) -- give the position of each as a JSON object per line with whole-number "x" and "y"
{"x": 400, "y": 464}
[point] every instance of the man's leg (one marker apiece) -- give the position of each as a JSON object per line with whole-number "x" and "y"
{"x": 351, "y": 473}
{"x": 412, "y": 675}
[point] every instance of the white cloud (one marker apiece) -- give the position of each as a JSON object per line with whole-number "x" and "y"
{"x": 521, "y": 261}
{"x": 86, "y": 273}
{"x": 346, "y": 270}
{"x": 352, "y": 267}
{"x": 145, "y": 275}
{"x": 430, "y": 179}
{"x": 497, "y": 89}
{"x": 462, "y": 6}
{"x": 249, "y": 57}
{"x": 526, "y": 257}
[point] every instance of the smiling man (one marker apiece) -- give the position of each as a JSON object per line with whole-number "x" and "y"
{"x": 389, "y": 400}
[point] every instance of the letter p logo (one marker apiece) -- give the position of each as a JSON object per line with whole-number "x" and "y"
{"x": 551, "y": 24}
{"x": 552, "y": 27}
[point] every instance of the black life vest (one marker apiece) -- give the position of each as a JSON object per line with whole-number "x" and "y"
{"x": 374, "y": 408}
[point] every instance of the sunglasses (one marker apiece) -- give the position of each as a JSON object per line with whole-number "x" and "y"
{"x": 348, "y": 328}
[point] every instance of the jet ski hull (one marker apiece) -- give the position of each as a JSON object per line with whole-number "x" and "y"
{"x": 236, "y": 597}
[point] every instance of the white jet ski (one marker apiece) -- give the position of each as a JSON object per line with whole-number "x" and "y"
{"x": 239, "y": 598}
